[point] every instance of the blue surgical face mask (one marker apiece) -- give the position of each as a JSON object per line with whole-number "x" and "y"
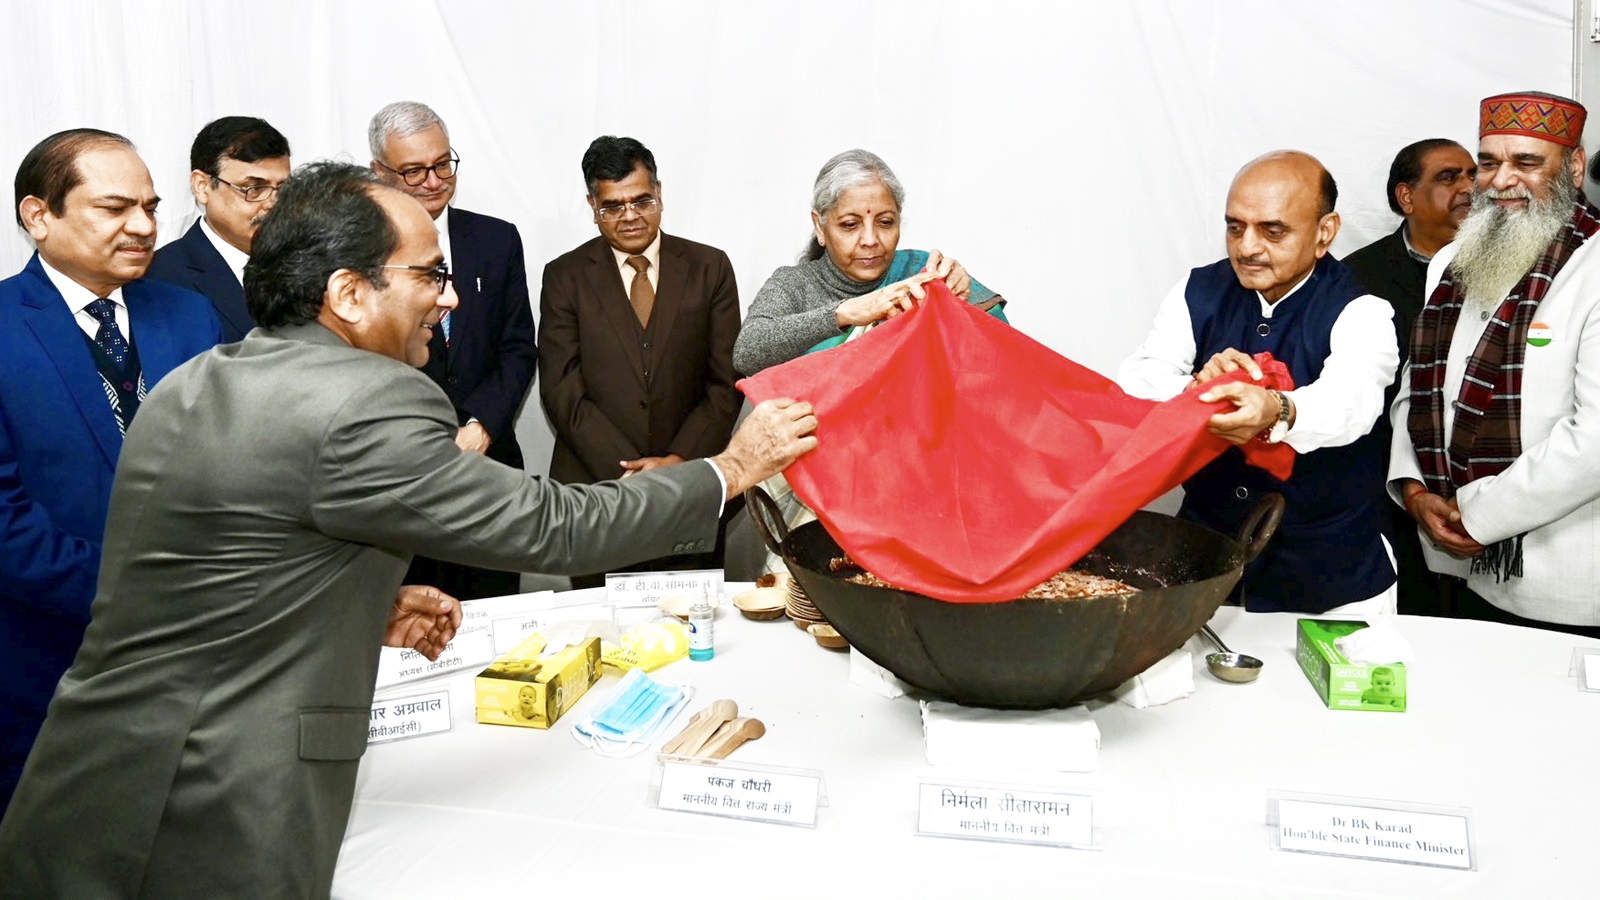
{"x": 630, "y": 719}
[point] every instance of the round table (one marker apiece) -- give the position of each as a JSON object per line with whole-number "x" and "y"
{"x": 1494, "y": 723}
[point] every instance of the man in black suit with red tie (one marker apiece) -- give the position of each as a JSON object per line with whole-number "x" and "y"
{"x": 238, "y": 163}
{"x": 484, "y": 354}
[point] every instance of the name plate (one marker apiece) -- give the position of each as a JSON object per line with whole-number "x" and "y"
{"x": 398, "y": 718}
{"x": 639, "y": 594}
{"x": 469, "y": 649}
{"x": 761, "y": 793}
{"x": 1011, "y": 814}
{"x": 1411, "y": 833}
{"x": 509, "y": 632}
{"x": 478, "y": 614}
{"x": 1586, "y": 666}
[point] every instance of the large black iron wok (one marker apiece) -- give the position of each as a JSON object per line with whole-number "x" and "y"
{"x": 1032, "y": 653}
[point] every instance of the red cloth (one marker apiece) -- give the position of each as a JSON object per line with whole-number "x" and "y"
{"x": 965, "y": 461}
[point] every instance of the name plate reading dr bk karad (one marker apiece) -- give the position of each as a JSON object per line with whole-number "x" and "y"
{"x": 1414, "y": 833}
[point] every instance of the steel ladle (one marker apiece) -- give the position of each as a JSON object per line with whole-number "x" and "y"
{"x": 1228, "y": 665}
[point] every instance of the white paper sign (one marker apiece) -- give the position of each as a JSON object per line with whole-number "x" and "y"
{"x": 397, "y": 666}
{"x": 650, "y": 588}
{"x": 1591, "y": 671}
{"x": 1022, "y": 815}
{"x": 480, "y": 614}
{"x": 787, "y": 797}
{"x": 1392, "y": 833}
{"x": 510, "y": 632}
{"x": 398, "y": 718}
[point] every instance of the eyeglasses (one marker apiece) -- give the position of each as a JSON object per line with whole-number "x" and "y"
{"x": 611, "y": 212}
{"x": 440, "y": 273}
{"x": 418, "y": 174}
{"x": 253, "y": 193}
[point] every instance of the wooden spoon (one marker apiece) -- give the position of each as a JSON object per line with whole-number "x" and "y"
{"x": 701, "y": 726}
{"x": 730, "y": 736}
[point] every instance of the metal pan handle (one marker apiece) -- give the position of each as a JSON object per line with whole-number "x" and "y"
{"x": 1260, "y": 525}
{"x": 768, "y": 520}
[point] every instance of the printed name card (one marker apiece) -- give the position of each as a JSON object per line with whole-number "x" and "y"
{"x": 1390, "y": 832}
{"x": 469, "y": 649}
{"x": 510, "y": 632}
{"x": 480, "y": 614}
{"x": 646, "y": 590}
{"x": 398, "y": 718}
{"x": 1020, "y": 815}
{"x": 1586, "y": 666}
{"x": 762, "y": 793}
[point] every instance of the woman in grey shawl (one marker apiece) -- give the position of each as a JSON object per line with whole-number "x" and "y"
{"x": 851, "y": 274}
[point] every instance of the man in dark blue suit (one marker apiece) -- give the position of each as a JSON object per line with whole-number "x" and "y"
{"x": 86, "y": 340}
{"x": 238, "y": 164}
{"x": 483, "y": 354}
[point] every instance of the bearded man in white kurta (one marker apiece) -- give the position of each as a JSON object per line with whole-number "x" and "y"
{"x": 1496, "y": 449}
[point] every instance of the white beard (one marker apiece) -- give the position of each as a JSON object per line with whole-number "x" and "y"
{"x": 1496, "y": 248}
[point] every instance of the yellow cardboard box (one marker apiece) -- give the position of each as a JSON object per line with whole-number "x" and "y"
{"x": 523, "y": 690}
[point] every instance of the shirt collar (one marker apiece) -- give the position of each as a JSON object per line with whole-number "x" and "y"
{"x": 652, "y": 253}
{"x": 442, "y": 225}
{"x": 76, "y": 295}
{"x": 1405, "y": 235}
{"x": 1266, "y": 308}
{"x": 233, "y": 256}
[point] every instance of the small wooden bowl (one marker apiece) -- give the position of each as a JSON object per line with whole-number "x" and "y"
{"x": 828, "y": 636}
{"x": 761, "y": 604}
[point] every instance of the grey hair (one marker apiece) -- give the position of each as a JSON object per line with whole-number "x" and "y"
{"x": 847, "y": 170}
{"x": 402, "y": 118}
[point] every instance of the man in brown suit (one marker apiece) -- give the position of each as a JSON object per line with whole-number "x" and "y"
{"x": 636, "y": 335}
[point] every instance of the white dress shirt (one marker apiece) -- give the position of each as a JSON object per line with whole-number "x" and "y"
{"x": 233, "y": 256}
{"x": 1335, "y": 409}
{"x": 78, "y": 299}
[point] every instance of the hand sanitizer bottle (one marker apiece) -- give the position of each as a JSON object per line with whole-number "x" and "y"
{"x": 701, "y": 644}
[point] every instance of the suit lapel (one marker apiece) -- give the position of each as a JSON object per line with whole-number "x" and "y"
{"x": 45, "y": 314}
{"x": 158, "y": 354}
{"x": 605, "y": 285}
{"x": 217, "y": 281}
{"x": 670, "y": 286}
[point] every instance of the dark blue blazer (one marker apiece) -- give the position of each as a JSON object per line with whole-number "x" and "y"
{"x": 492, "y": 356}
{"x": 193, "y": 262}
{"x": 58, "y": 451}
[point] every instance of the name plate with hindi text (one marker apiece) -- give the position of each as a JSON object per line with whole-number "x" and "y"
{"x": 1007, "y": 813}
{"x": 1413, "y": 833}
{"x": 636, "y": 597}
{"x": 762, "y": 793}
{"x": 469, "y": 649}
{"x": 398, "y": 718}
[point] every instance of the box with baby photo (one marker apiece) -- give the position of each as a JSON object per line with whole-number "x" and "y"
{"x": 524, "y": 689}
{"x": 1341, "y": 682}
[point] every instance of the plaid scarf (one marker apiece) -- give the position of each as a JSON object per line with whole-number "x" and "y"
{"x": 1487, "y": 434}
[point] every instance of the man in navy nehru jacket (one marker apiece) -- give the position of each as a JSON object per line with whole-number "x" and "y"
{"x": 1279, "y": 291}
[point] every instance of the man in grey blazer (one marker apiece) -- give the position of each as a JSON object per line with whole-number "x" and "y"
{"x": 270, "y": 495}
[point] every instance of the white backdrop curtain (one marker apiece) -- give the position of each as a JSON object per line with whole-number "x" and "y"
{"x": 1074, "y": 156}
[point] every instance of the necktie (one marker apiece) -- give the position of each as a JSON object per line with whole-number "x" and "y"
{"x": 444, "y": 323}
{"x": 641, "y": 294}
{"x": 109, "y": 337}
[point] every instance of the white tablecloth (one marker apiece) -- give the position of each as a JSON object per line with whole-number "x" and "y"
{"x": 1494, "y": 724}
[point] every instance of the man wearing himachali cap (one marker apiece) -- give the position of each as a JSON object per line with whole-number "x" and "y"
{"x": 1496, "y": 449}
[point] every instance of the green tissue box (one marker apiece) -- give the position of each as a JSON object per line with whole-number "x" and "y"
{"x": 1342, "y": 684}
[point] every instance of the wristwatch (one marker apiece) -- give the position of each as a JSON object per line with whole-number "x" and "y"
{"x": 1280, "y": 427}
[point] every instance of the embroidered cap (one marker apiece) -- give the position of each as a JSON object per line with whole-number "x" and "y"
{"x": 1547, "y": 117}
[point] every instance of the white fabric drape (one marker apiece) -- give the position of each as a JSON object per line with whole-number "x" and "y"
{"x": 1075, "y": 156}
